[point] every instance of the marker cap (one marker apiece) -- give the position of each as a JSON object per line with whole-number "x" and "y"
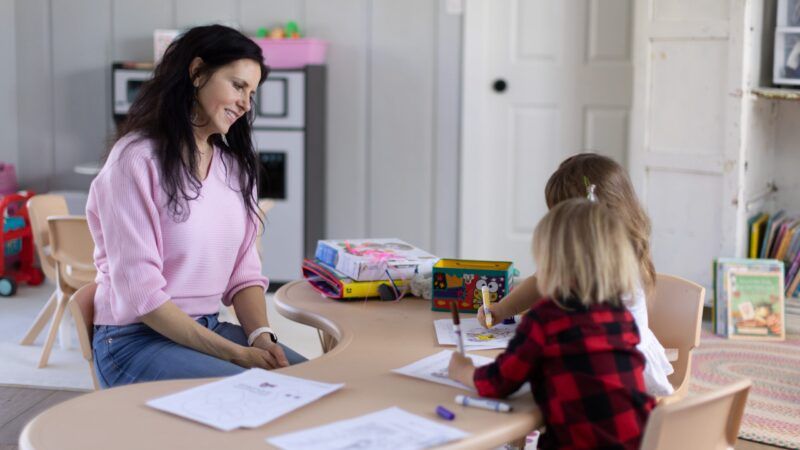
{"x": 444, "y": 413}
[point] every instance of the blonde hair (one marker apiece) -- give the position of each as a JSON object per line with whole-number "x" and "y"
{"x": 582, "y": 250}
{"x": 613, "y": 189}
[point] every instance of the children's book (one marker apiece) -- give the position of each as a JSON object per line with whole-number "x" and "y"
{"x": 334, "y": 284}
{"x": 793, "y": 277}
{"x": 374, "y": 259}
{"x": 749, "y": 298}
{"x": 756, "y": 234}
{"x": 755, "y": 303}
{"x": 785, "y": 243}
{"x": 769, "y": 234}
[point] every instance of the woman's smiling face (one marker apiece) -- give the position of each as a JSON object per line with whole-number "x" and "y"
{"x": 226, "y": 96}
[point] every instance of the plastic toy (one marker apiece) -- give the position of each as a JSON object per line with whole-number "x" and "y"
{"x": 460, "y": 281}
{"x": 16, "y": 240}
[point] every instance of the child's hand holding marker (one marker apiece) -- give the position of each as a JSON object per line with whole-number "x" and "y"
{"x": 487, "y": 301}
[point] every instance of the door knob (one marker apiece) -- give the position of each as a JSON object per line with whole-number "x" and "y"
{"x": 499, "y": 85}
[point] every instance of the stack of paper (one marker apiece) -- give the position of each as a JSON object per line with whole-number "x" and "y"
{"x": 475, "y": 336}
{"x": 391, "y": 428}
{"x": 247, "y": 400}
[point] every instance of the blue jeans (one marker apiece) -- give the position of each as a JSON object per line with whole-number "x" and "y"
{"x": 135, "y": 353}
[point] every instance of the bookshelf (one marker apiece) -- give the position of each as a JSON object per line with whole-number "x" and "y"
{"x": 770, "y": 135}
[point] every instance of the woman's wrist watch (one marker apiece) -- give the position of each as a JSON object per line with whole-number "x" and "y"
{"x": 258, "y": 332}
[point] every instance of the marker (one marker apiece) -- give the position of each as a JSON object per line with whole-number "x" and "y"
{"x": 457, "y": 327}
{"x": 487, "y": 300}
{"x": 485, "y": 403}
{"x": 444, "y": 413}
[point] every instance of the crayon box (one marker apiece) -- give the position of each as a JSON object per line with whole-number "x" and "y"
{"x": 461, "y": 280}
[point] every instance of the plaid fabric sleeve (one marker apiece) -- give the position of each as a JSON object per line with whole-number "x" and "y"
{"x": 512, "y": 368}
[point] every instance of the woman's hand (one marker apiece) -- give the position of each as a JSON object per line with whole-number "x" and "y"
{"x": 498, "y": 315}
{"x": 461, "y": 369}
{"x": 265, "y": 358}
{"x": 273, "y": 349}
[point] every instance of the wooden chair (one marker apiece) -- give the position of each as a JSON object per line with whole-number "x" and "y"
{"x": 72, "y": 248}
{"x": 40, "y": 207}
{"x": 81, "y": 306}
{"x": 704, "y": 422}
{"x": 674, "y": 314}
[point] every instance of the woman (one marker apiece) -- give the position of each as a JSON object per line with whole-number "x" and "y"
{"x": 174, "y": 219}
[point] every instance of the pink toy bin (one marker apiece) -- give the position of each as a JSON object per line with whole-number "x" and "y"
{"x": 292, "y": 53}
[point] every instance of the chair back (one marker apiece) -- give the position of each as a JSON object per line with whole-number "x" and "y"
{"x": 704, "y": 422}
{"x": 674, "y": 314}
{"x": 72, "y": 247}
{"x": 81, "y": 306}
{"x": 40, "y": 207}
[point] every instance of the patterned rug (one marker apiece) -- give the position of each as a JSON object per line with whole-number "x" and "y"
{"x": 772, "y": 415}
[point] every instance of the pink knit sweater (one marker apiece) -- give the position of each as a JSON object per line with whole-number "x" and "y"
{"x": 144, "y": 257}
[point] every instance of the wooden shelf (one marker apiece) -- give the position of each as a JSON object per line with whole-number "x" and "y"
{"x": 777, "y": 93}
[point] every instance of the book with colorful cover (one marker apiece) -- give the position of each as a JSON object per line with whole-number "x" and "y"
{"x": 756, "y": 233}
{"x": 374, "y": 259}
{"x": 785, "y": 243}
{"x": 723, "y": 267}
{"x": 334, "y": 284}
{"x": 769, "y": 233}
{"x": 755, "y": 305}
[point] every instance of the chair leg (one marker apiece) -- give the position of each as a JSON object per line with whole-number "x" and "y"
{"x": 51, "y": 335}
{"x": 95, "y": 383}
{"x": 326, "y": 341}
{"x": 44, "y": 315}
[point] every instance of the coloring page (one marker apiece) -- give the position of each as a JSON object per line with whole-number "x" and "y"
{"x": 391, "y": 428}
{"x": 249, "y": 399}
{"x": 475, "y": 336}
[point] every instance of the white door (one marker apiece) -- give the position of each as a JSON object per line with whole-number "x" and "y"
{"x": 566, "y": 69}
{"x": 685, "y": 139}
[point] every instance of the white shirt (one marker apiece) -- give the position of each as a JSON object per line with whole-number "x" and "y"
{"x": 657, "y": 366}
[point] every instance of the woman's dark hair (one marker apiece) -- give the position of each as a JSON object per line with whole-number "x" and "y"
{"x": 163, "y": 109}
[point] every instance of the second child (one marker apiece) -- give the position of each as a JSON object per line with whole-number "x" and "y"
{"x": 576, "y": 346}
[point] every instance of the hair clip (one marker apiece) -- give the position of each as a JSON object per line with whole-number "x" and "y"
{"x": 590, "y": 195}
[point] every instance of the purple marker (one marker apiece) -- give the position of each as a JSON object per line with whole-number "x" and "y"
{"x": 444, "y": 413}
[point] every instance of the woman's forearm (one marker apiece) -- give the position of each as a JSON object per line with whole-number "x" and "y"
{"x": 251, "y": 308}
{"x": 174, "y": 324}
{"x": 521, "y": 298}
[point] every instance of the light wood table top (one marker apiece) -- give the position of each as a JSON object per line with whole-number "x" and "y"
{"x": 373, "y": 337}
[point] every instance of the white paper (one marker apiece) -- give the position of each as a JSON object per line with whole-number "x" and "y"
{"x": 434, "y": 368}
{"x": 475, "y": 336}
{"x": 249, "y": 399}
{"x": 391, "y": 428}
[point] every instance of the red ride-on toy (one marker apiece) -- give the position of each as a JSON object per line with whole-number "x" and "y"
{"x": 16, "y": 242}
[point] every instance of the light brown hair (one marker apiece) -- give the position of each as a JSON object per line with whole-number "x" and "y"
{"x": 582, "y": 250}
{"x": 614, "y": 190}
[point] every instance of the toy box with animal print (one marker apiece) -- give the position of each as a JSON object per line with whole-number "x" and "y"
{"x": 461, "y": 280}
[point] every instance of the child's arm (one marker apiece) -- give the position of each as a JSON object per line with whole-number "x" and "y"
{"x": 461, "y": 370}
{"x": 519, "y": 300}
{"x": 513, "y": 367}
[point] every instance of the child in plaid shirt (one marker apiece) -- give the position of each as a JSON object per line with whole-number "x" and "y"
{"x": 577, "y": 346}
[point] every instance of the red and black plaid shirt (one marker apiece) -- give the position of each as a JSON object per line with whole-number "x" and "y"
{"x": 585, "y": 374}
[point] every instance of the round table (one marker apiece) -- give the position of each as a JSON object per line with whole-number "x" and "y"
{"x": 373, "y": 337}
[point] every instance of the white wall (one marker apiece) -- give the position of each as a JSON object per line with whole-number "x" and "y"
{"x": 8, "y": 81}
{"x": 393, "y": 97}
